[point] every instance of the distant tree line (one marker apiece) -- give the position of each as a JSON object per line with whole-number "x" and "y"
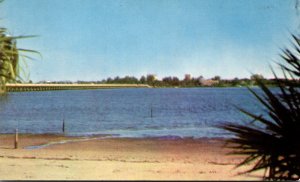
{"x": 173, "y": 81}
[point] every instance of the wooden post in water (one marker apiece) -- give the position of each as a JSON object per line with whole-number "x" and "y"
{"x": 63, "y": 126}
{"x": 16, "y": 139}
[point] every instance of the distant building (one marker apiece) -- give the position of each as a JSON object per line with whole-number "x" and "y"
{"x": 208, "y": 82}
{"x": 187, "y": 77}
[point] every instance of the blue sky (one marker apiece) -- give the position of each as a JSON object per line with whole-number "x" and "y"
{"x": 96, "y": 39}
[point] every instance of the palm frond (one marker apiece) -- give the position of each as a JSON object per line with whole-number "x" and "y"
{"x": 9, "y": 58}
{"x": 273, "y": 144}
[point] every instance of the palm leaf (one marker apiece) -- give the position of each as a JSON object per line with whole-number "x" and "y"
{"x": 273, "y": 144}
{"x": 9, "y": 56}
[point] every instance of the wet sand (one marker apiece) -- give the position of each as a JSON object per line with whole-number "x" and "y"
{"x": 98, "y": 158}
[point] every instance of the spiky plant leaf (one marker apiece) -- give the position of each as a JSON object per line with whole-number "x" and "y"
{"x": 9, "y": 58}
{"x": 274, "y": 143}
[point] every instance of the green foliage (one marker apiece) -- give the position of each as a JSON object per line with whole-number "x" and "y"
{"x": 173, "y": 81}
{"x": 272, "y": 143}
{"x": 9, "y": 58}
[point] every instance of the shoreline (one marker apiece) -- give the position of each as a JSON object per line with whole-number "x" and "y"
{"x": 49, "y": 139}
{"x": 117, "y": 159}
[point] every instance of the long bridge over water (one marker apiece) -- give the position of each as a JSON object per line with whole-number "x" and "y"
{"x": 48, "y": 87}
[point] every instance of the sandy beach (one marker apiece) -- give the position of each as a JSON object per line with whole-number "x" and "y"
{"x": 99, "y": 158}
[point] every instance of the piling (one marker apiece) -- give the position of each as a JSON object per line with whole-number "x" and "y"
{"x": 16, "y": 139}
{"x": 63, "y": 126}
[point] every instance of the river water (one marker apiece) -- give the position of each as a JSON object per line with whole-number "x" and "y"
{"x": 138, "y": 112}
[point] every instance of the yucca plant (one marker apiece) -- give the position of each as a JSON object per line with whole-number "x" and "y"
{"x": 9, "y": 58}
{"x": 272, "y": 141}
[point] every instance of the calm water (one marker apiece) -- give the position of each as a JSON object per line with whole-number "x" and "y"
{"x": 183, "y": 112}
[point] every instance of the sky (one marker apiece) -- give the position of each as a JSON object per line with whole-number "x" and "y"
{"x": 95, "y": 39}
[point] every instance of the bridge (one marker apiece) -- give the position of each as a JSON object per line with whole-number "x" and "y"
{"x": 47, "y": 87}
